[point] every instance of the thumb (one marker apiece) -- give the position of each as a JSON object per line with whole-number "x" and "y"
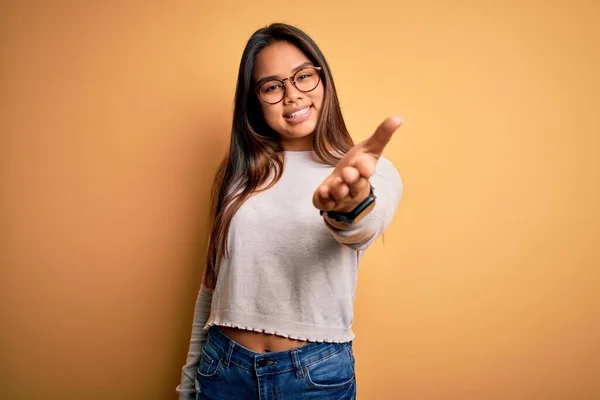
{"x": 378, "y": 140}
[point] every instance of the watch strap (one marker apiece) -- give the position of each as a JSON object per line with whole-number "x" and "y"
{"x": 358, "y": 211}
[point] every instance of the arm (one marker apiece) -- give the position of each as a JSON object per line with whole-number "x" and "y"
{"x": 186, "y": 388}
{"x": 387, "y": 186}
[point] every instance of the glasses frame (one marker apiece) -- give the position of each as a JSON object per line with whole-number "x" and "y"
{"x": 292, "y": 80}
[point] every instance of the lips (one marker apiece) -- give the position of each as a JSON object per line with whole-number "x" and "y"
{"x": 299, "y": 113}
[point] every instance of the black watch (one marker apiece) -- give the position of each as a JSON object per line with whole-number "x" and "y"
{"x": 359, "y": 212}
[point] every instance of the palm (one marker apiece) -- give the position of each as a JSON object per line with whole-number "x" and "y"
{"x": 348, "y": 184}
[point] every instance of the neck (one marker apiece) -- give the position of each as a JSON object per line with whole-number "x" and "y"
{"x": 300, "y": 144}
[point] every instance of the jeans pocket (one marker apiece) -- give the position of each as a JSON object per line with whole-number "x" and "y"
{"x": 210, "y": 362}
{"x": 333, "y": 372}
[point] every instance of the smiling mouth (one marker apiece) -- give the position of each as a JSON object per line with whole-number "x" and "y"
{"x": 298, "y": 113}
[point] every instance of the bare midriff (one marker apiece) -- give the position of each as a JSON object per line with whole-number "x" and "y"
{"x": 261, "y": 342}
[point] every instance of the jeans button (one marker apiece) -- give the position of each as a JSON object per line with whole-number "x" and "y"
{"x": 262, "y": 363}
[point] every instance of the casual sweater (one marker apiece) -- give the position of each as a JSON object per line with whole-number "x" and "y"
{"x": 290, "y": 271}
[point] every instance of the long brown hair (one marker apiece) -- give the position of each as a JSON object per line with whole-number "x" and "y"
{"x": 255, "y": 151}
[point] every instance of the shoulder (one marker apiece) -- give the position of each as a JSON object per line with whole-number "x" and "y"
{"x": 387, "y": 175}
{"x": 386, "y": 166}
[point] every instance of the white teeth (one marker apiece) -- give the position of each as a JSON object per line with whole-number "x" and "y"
{"x": 298, "y": 113}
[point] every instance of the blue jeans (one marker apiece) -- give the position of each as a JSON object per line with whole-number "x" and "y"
{"x": 229, "y": 371}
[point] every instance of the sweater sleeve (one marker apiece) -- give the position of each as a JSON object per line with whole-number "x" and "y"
{"x": 186, "y": 388}
{"x": 387, "y": 186}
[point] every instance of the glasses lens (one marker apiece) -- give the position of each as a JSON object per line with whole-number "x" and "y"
{"x": 271, "y": 91}
{"x": 307, "y": 79}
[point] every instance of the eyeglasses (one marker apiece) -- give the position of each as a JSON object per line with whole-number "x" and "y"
{"x": 305, "y": 80}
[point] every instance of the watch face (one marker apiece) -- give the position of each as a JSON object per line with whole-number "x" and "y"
{"x": 355, "y": 215}
{"x": 364, "y": 212}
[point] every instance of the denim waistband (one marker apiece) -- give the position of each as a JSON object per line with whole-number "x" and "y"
{"x": 273, "y": 362}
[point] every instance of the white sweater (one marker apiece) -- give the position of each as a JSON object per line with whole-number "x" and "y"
{"x": 290, "y": 271}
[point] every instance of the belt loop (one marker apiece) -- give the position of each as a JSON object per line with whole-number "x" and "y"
{"x": 227, "y": 357}
{"x": 297, "y": 365}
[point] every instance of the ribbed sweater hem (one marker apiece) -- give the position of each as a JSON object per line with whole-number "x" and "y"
{"x": 274, "y": 326}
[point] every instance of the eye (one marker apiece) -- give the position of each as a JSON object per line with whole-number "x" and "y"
{"x": 270, "y": 88}
{"x": 303, "y": 76}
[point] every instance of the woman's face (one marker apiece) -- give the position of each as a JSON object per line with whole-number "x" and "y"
{"x": 295, "y": 117}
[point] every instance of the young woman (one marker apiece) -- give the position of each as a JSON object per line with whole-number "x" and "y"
{"x": 295, "y": 205}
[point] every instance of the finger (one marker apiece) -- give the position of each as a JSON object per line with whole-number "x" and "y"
{"x": 350, "y": 175}
{"x": 377, "y": 142}
{"x": 365, "y": 165}
{"x": 360, "y": 189}
{"x": 322, "y": 200}
{"x": 339, "y": 190}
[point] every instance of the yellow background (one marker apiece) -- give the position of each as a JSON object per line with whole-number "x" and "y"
{"x": 114, "y": 116}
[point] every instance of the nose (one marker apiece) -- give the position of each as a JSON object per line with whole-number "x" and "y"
{"x": 291, "y": 92}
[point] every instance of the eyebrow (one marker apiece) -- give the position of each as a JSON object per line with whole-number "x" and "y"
{"x": 298, "y": 68}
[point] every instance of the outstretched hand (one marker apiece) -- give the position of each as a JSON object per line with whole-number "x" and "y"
{"x": 348, "y": 185}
